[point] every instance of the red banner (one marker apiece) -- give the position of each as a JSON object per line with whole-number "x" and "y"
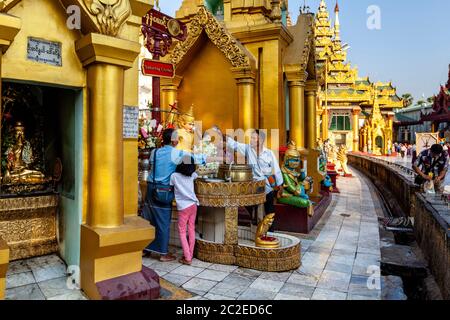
{"x": 163, "y": 23}
{"x": 157, "y": 69}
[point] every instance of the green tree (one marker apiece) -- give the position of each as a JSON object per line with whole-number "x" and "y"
{"x": 213, "y": 5}
{"x": 408, "y": 98}
{"x": 421, "y": 102}
{"x": 430, "y": 100}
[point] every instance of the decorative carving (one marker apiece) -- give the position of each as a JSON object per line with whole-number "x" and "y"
{"x": 219, "y": 36}
{"x": 110, "y": 14}
{"x": 28, "y": 225}
{"x": 231, "y": 226}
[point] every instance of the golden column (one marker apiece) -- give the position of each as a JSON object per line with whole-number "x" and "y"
{"x": 296, "y": 82}
{"x": 245, "y": 81}
{"x": 355, "y": 114}
{"x": 9, "y": 28}
{"x": 169, "y": 93}
{"x": 318, "y": 127}
{"x": 4, "y": 261}
{"x": 325, "y": 122}
{"x": 311, "y": 107}
{"x": 111, "y": 245}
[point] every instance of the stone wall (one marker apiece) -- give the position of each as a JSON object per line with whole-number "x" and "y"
{"x": 431, "y": 226}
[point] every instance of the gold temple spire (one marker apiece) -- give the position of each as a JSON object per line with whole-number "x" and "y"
{"x": 337, "y": 24}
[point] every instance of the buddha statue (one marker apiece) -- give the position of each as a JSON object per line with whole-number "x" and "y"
{"x": 261, "y": 238}
{"x": 293, "y": 192}
{"x": 19, "y": 157}
{"x": 185, "y": 131}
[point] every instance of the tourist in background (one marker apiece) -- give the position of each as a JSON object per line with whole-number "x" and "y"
{"x": 183, "y": 182}
{"x": 403, "y": 150}
{"x": 432, "y": 165}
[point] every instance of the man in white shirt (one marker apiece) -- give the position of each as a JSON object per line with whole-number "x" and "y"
{"x": 265, "y": 165}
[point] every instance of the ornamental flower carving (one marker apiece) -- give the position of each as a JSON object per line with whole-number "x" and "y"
{"x": 110, "y": 14}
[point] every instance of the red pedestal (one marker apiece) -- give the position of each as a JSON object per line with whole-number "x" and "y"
{"x": 142, "y": 285}
{"x": 333, "y": 176}
{"x": 296, "y": 220}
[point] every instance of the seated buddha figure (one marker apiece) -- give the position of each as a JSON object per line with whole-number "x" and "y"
{"x": 19, "y": 157}
{"x": 185, "y": 131}
{"x": 261, "y": 238}
{"x": 293, "y": 192}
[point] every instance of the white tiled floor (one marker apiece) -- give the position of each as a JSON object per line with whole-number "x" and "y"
{"x": 338, "y": 263}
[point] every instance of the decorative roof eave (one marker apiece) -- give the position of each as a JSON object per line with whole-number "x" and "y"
{"x": 204, "y": 21}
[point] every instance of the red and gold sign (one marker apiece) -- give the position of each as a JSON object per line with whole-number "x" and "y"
{"x": 157, "y": 69}
{"x": 160, "y": 22}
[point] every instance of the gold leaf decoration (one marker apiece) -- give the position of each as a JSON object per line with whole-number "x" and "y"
{"x": 110, "y": 14}
{"x": 219, "y": 36}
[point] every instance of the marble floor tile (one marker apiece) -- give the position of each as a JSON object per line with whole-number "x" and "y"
{"x": 303, "y": 280}
{"x": 211, "y": 296}
{"x": 55, "y": 287}
{"x": 248, "y": 272}
{"x": 256, "y": 294}
{"x": 49, "y": 271}
{"x": 336, "y": 281}
{"x": 282, "y": 296}
{"x": 291, "y": 289}
{"x": 165, "y": 266}
{"x": 276, "y": 276}
{"x": 187, "y": 270}
{"x": 212, "y": 275}
{"x": 338, "y": 267}
{"x": 239, "y": 279}
{"x": 19, "y": 279}
{"x": 324, "y": 294}
{"x": 223, "y": 268}
{"x": 75, "y": 295}
{"x": 229, "y": 289}
{"x": 176, "y": 279}
{"x": 19, "y": 266}
{"x": 200, "y": 264}
{"x": 267, "y": 285}
{"x": 198, "y": 284}
{"x": 28, "y": 292}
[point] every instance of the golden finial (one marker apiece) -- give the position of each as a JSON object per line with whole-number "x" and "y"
{"x": 292, "y": 151}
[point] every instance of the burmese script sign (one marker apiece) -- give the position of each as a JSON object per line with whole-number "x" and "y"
{"x": 43, "y": 51}
{"x": 160, "y": 22}
{"x": 130, "y": 122}
{"x": 157, "y": 69}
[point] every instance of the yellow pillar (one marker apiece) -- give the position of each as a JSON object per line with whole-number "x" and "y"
{"x": 169, "y": 93}
{"x": 311, "y": 125}
{"x": 297, "y": 116}
{"x": 245, "y": 81}
{"x": 355, "y": 113}
{"x": 4, "y": 261}
{"x": 325, "y": 121}
{"x": 111, "y": 245}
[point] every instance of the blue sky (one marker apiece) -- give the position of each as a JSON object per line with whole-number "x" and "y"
{"x": 412, "y": 48}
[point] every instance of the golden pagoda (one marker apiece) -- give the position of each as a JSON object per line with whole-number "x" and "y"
{"x": 345, "y": 100}
{"x": 244, "y": 67}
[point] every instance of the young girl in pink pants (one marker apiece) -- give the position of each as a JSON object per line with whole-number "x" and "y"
{"x": 187, "y": 202}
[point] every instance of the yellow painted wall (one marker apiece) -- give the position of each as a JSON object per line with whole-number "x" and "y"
{"x": 272, "y": 109}
{"x": 46, "y": 20}
{"x": 209, "y": 84}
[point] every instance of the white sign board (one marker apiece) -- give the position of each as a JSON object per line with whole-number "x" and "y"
{"x": 130, "y": 122}
{"x": 425, "y": 141}
{"x": 44, "y": 51}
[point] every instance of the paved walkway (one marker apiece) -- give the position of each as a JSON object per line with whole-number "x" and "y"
{"x": 338, "y": 259}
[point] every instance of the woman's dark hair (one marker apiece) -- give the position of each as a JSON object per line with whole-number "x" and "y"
{"x": 186, "y": 167}
{"x": 436, "y": 149}
{"x": 167, "y": 136}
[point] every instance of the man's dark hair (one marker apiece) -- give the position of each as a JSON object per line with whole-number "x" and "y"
{"x": 436, "y": 149}
{"x": 261, "y": 134}
{"x": 186, "y": 167}
{"x": 167, "y": 136}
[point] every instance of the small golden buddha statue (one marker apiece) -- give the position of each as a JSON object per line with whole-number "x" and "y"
{"x": 261, "y": 239}
{"x": 19, "y": 157}
{"x": 185, "y": 131}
